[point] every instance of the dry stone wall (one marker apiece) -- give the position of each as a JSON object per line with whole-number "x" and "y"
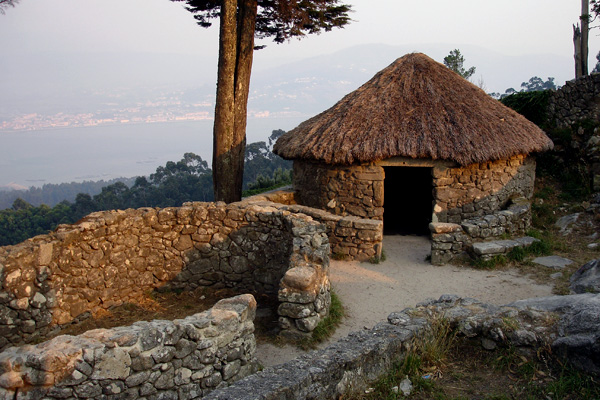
{"x": 355, "y": 190}
{"x": 350, "y": 237}
{"x": 576, "y": 101}
{"x": 181, "y": 359}
{"x": 481, "y": 189}
{"x": 114, "y": 257}
{"x": 566, "y": 324}
{"x": 450, "y": 240}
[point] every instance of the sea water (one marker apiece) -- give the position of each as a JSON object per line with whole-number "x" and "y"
{"x": 33, "y": 158}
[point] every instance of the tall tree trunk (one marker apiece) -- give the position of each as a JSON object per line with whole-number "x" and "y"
{"x": 577, "y": 45}
{"x": 223, "y": 130}
{"x": 236, "y": 48}
{"x": 585, "y": 30}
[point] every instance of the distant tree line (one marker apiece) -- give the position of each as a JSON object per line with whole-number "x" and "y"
{"x": 51, "y": 194}
{"x": 171, "y": 185}
{"x": 535, "y": 84}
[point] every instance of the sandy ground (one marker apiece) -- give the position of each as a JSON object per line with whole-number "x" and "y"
{"x": 370, "y": 292}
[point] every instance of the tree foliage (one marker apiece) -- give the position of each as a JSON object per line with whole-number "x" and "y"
{"x": 280, "y": 19}
{"x": 455, "y": 61}
{"x": 535, "y": 84}
{"x": 4, "y": 4}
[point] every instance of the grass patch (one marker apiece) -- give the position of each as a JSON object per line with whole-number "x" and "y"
{"x": 470, "y": 372}
{"x": 326, "y": 327}
{"x": 425, "y": 358}
{"x": 377, "y": 260}
{"x": 490, "y": 263}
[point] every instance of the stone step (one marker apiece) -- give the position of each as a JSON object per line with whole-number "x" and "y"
{"x": 496, "y": 247}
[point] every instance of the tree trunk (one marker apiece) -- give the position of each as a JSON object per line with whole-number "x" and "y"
{"x": 236, "y": 48}
{"x": 223, "y": 130}
{"x": 585, "y": 30}
{"x": 577, "y": 45}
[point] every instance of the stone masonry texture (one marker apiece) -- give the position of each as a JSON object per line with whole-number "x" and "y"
{"x": 181, "y": 359}
{"x": 113, "y": 257}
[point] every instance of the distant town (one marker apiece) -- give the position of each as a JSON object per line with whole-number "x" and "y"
{"x": 149, "y": 112}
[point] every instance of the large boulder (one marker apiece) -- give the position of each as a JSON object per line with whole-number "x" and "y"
{"x": 578, "y": 328}
{"x": 587, "y": 278}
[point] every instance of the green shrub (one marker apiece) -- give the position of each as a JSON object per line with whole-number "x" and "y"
{"x": 532, "y": 105}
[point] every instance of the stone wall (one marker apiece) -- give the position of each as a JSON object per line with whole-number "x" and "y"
{"x": 460, "y": 193}
{"x": 181, "y": 359}
{"x": 450, "y": 240}
{"x": 351, "y": 238}
{"x": 576, "y": 101}
{"x": 481, "y": 189}
{"x": 351, "y": 365}
{"x": 114, "y": 257}
{"x": 342, "y": 190}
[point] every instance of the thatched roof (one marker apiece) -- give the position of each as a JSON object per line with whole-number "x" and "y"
{"x": 417, "y": 108}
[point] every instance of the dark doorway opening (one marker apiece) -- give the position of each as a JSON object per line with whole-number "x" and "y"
{"x": 408, "y": 200}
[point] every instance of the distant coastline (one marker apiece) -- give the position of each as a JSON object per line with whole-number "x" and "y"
{"x": 57, "y": 155}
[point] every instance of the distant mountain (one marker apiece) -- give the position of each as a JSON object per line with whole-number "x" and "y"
{"x": 312, "y": 85}
{"x": 94, "y": 83}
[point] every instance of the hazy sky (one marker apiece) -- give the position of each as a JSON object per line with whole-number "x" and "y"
{"x": 104, "y": 38}
{"x": 510, "y": 27}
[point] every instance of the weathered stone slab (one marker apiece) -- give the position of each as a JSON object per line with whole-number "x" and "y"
{"x": 526, "y": 241}
{"x": 565, "y": 224}
{"x": 587, "y": 278}
{"x": 488, "y": 248}
{"x": 508, "y": 244}
{"x": 444, "y": 227}
{"x": 555, "y": 262}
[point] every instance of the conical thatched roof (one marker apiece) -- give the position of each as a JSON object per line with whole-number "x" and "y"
{"x": 418, "y": 108}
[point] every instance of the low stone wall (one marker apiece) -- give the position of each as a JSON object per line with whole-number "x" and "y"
{"x": 342, "y": 190}
{"x": 181, "y": 359}
{"x": 350, "y": 237}
{"x": 481, "y": 189}
{"x": 114, "y": 257}
{"x": 353, "y": 363}
{"x": 451, "y": 240}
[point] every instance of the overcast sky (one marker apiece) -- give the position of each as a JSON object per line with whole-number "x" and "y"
{"x": 511, "y": 27}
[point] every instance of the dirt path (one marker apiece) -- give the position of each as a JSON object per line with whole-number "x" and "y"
{"x": 370, "y": 292}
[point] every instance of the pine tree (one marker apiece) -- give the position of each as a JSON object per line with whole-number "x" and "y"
{"x": 241, "y": 21}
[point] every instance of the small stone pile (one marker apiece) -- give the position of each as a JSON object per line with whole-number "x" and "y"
{"x": 181, "y": 359}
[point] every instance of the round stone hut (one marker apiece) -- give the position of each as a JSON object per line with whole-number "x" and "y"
{"x": 416, "y": 144}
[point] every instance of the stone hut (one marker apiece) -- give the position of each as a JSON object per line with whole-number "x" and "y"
{"x": 416, "y": 144}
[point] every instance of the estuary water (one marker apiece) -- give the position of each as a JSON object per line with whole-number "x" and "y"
{"x": 33, "y": 158}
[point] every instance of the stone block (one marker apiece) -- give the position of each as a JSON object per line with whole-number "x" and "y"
{"x": 444, "y": 227}
{"x": 300, "y": 278}
{"x": 554, "y": 262}
{"x": 488, "y": 248}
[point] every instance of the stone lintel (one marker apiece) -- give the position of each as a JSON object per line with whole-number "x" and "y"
{"x": 415, "y": 162}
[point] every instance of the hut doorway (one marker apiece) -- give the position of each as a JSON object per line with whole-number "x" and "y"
{"x": 408, "y": 200}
